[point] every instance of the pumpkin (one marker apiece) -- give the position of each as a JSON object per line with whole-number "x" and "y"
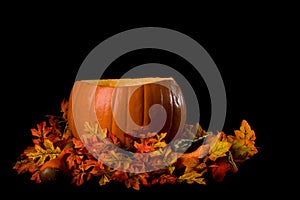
{"x": 123, "y": 105}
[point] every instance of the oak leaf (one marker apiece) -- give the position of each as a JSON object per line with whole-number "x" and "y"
{"x": 160, "y": 143}
{"x": 41, "y": 133}
{"x": 165, "y": 178}
{"x": 146, "y": 145}
{"x": 40, "y": 155}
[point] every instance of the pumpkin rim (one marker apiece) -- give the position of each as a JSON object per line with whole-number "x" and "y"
{"x": 123, "y": 82}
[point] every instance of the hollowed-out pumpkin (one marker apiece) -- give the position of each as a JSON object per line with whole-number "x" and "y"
{"x": 122, "y": 105}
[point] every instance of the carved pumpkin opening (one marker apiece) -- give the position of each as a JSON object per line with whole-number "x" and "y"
{"x": 127, "y": 81}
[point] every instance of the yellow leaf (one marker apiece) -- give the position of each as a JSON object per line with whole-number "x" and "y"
{"x": 219, "y": 149}
{"x": 94, "y": 130}
{"x": 160, "y": 143}
{"x": 161, "y": 136}
{"x": 39, "y": 149}
{"x": 192, "y": 177}
{"x": 40, "y": 155}
{"x": 103, "y": 180}
{"x": 171, "y": 169}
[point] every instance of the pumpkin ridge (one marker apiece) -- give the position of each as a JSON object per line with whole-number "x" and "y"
{"x": 110, "y": 98}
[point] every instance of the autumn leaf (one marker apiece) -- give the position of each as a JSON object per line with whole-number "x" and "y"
{"x": 87, "y": 156}
{"x": 164, "y": 178}
{"x": 58, "y": 129}
{"x": 94, "y": 130}
{"x": 77, "y": 154}
{"x": 160, "y": 143}
{"x": 135, "y": 180}
{"x": 114, "y": 139}
{"x": 40, "y": 155}
{"x": 41, "y": 133}
{"x": 133, "y": 183}
{"x": 36, "y": 177}
{"x": 169, "y": 156}
{"x": 94, "y": 166}
{"x": 143, "y": 177}
{"x": 103, "y": 180}
{"x": 200, "y": 152}
{"x": 243, "y": 143}
{"x": 119, "y": 176}
{"x": 25, "y": 165}
{"x": 200, "y": 132}
{"x": 64, "y": 108}
{"x": 146, "y": 145}
{"x": 220, "y": 169}
{"x": 73, "y": 160}
{"x": 219, "y": 149}
{"x": 245, "y": 132}
{"x": 80, "y": 175}
{"x": 193, "y": 177}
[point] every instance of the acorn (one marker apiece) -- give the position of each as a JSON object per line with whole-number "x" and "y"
{"x": 55, "y": 170}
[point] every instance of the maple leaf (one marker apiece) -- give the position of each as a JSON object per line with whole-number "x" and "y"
{"x": 243, "y": 143}
{"x": 40, "y": 155}
{"x": 189, "y": 162}
{"x": 219, "y": 149}
{"x": 192, "y": 164}
{"x": 220, "y": 169}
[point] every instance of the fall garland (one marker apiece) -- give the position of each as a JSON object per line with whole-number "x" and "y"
{"x": 55, "y": 149}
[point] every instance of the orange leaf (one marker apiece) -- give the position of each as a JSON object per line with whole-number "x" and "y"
{"x": 220, "y": 169}
{"x": 64, "y": 108}
{"x": 243, "y": 143}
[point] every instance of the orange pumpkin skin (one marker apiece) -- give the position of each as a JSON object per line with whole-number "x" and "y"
{"x": 98, "y": 100}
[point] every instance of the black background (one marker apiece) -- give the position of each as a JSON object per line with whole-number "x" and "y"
{"x": 42, "y": 58}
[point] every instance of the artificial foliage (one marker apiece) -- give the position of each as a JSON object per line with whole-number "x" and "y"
{"x": 211, "y": 155}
